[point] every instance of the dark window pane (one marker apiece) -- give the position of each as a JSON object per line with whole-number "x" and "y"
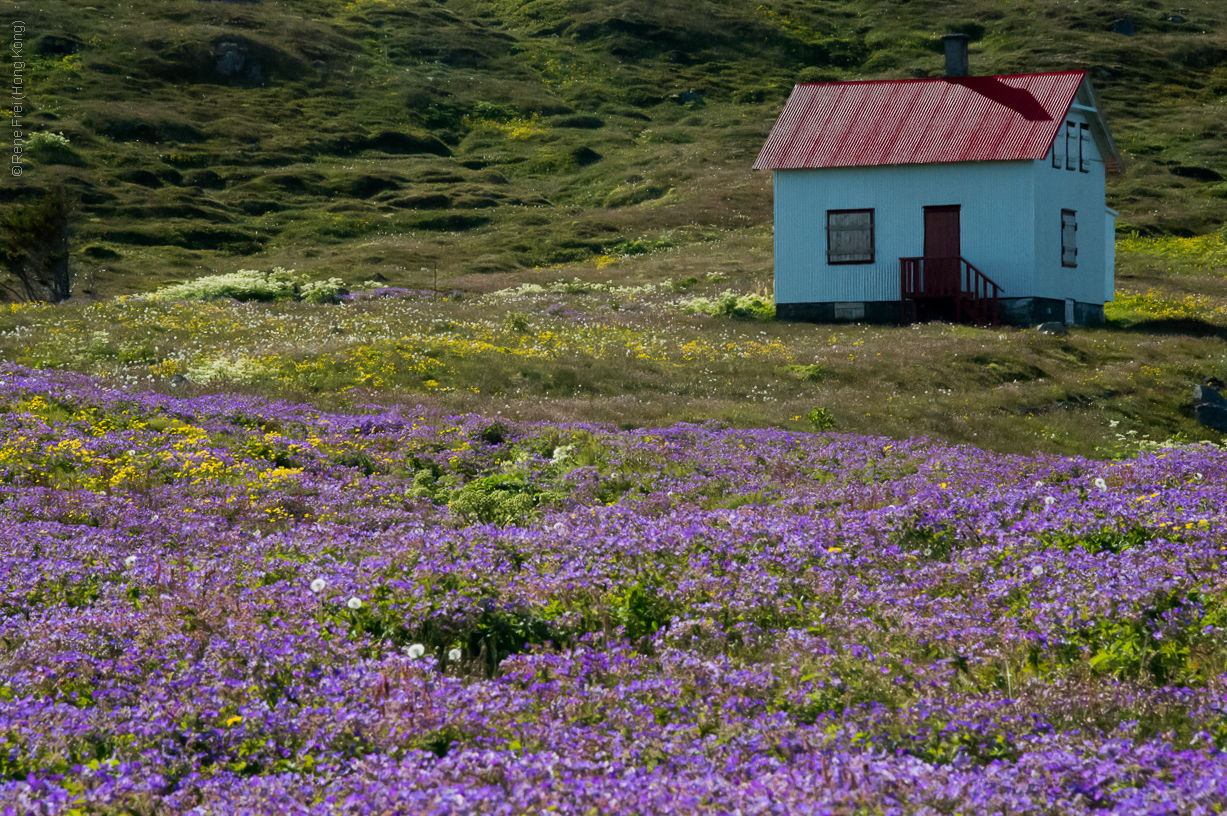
{"x": 850, "y": 236}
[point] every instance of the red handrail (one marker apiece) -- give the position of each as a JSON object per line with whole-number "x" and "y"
{"x": 948, "y": 278}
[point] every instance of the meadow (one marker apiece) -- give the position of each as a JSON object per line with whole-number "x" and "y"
{"x": 229, "y": 604}
{"x": 665, "y": 335}
{"x": 419, "y": 439}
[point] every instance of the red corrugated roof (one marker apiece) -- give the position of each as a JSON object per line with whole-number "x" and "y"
{"x": 919, "y": 121}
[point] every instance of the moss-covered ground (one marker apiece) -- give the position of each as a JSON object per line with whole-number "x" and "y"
{"x": 410, "y": 139}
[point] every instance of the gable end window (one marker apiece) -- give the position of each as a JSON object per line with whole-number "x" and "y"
{"x": 1084, "y": 158}
{"x": 849, "y": 236}
{"x": 1069, "y": 238}
{"x": 1071, "y": 150}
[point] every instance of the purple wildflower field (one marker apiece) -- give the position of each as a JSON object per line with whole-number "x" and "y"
{"x": 229, "y": 605}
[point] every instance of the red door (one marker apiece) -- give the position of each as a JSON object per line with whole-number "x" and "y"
{"x": 942, "y": 250}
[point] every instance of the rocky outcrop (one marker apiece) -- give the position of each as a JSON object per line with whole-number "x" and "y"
{"x": 1210, "y": 407}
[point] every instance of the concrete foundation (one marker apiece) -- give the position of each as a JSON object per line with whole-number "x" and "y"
{"x": 1013, "y": 312}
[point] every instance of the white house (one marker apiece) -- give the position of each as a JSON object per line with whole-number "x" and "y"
{"x": 956, "y": 197}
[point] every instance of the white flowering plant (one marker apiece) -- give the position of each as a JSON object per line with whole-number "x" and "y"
{"x": 52, "y": 148}
{"x": 254, "y": 285}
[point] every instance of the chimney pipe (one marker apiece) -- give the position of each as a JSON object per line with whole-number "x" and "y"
{"x": 956, "y": 54}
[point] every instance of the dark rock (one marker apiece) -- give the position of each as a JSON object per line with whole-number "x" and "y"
{"x": 1176, "y": 18}
{"x": 1210, "y": 408}
{"x": 232, "y": 60}
{"x": 1052, "y": 327}
{"x": 178, "y": 381}
{"x": 1205, "y": 395}
{"x": 1124, "y": 26}
{"x": 1212, "y": 416}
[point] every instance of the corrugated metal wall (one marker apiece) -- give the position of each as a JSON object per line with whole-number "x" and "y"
{"x": 1057, "y": 189}
{"x": 1010, "y": 226}
{"x": 997, "y": 225}
{"x": 1109, "y": 249}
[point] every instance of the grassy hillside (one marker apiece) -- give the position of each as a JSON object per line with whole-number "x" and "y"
{"x": 477, "y": 139}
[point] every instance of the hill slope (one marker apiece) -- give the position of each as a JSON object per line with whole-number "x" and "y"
{"x": 384, "y": 137}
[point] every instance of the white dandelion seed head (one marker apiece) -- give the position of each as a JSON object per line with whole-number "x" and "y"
{"x": 1101, "y": 484}
{"x": 130, "y": 561}
{"x": 416, "y": 651}
{"x": 454, "y": 654}
{"x": 354, "y": 603}
{"x": 1039, "y": 483}
{"x": 1037, "y": 570}
{"x": 317, "y": 586}
{"x": 1049, "y": 501}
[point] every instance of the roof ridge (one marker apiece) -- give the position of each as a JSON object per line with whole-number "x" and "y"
{"x": 955, "y": 80}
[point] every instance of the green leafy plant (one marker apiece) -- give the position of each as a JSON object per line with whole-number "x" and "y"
{"x": 743, "y": 307}
{"x": 820, "y": 419}
{"x": 501, "y": 499}
{"x": 52, "y": 148}
{"x": 254, "y": 285}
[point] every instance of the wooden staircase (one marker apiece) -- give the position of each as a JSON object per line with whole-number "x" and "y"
{"x": 948, "y": 280}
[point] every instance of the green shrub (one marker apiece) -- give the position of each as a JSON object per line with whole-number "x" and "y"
{"x": 517, "y": 322}
{"x": 820, "y": 419}
{"x": 806, "y": 373}
{"x": 52, "y": 148}
{"x": 251, "y": 284}
{"x": 502, "y": 499}
{"x": 742, "y": 307}
{"x": 328, "y": 291}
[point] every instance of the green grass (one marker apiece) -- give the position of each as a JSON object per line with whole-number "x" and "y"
{"x": 617, "y": 343}
{"x": 489, "y": 136}
{"x": 481, "y": 145}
